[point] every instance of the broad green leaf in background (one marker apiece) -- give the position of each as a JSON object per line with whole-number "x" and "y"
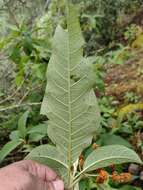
{"x": 22, "y": 124}
{"x": 10, "y": 146}
{"x": 108, "y": 155}
{"x": 70, "y": 102}
{"x": 111, "y": 139}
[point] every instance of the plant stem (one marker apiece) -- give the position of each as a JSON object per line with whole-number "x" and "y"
{"x": 9, "y": 97}
{"x": 91, "y": 175}
{"x": 20, "y": 105}
{"x": 76, "y": 181}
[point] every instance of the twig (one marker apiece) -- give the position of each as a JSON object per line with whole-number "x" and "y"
{"x": 9, "y": 97}
{"x": 47, "y": 4}
{"x": 20, "y": 105}
{"x": 91, "y": 175}
{"x": 25, "y": 95}
{"x": 28, "y": 92}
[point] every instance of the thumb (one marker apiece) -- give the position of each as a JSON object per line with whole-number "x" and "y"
{"x": 38, "y": 170}
{"x": 58, "y": 184}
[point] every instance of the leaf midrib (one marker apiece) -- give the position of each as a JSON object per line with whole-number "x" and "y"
{"x": 69, "y": 100}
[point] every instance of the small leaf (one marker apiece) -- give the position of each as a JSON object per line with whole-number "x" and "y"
{"x": 15, "y": 54}
{"x": 35, "y": 137}
{"x": 14, "y": 135}
{"x": 41, "y": 129}
{"x": 19, "y": 78}
{"x": 22, "y": 124}
{"x": 10, "y": 146}
{"x": 27, "y": 44}
{"x": 37, "y": 132}
{"x": 108, "y": 155}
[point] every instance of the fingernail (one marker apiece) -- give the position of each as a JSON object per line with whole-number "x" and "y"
{"x": 58, "y": 185}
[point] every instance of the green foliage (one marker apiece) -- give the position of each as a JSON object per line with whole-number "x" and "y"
{"x": 131, "y": 33}
{"x": 72, "y": 110}
{"x": 102, "y": 21}
{"x": 23, "y": 137}
{"x": 114, "y": 38}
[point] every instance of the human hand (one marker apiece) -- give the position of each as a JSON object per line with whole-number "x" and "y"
{"x": 29, "y": 175}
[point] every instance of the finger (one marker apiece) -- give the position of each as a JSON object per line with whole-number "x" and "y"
{"x": 38, "y": 170}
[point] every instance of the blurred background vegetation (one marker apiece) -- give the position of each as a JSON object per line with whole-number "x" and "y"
{"x": 113, "y": 31}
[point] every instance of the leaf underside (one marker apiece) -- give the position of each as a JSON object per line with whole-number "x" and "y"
{"x": 48, "y": 155}
{"x": 71, "y": 107}
{"x": 70, "y": 103}
{"x": 108, "y": 155}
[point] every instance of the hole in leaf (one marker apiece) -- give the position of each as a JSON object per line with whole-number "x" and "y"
{"x": 74, "y": 78}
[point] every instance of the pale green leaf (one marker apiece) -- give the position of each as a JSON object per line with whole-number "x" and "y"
{"x": 70, "y": 103}
{"x": 108, "y": 155}
{"x": 48, "y": 155}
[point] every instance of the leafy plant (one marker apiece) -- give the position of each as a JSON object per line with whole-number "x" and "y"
{"x": 71, "y": 107}
{"x": 104, "y": 21}
{"x": 23, "y": 137}
{"x": 131, "y": 97}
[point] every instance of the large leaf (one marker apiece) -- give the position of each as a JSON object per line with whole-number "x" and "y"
{"x": 70, "y": 103}
{"x": 48, "y": 155}
{"x": 108, "y": 155}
